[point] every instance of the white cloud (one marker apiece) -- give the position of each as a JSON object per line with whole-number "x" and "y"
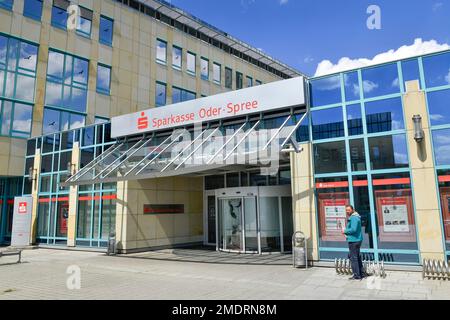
{"x": 419, "y": 47}
{"x": 447, "y": 77}
{"x": 437, "y": 6}
{"x": 436, "y": 117}
{"x": 282, "y": 2}
{"x": 369, "y": 86}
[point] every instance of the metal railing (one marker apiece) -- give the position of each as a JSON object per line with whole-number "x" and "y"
{"x": 435, "y": 270}
{"x": 371, "y": 268}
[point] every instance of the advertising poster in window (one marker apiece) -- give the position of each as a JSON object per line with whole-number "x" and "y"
{"x": 395, "y": 216}
{"x": 445, "y": 204}
{"x": 332, "y": 215}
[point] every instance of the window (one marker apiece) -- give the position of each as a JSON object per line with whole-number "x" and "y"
{"x": 444, "y": 192}
{"x": 249, "y": 82}
{"x": 325, "y": 91}
{"x": 99, "y": 120}
{"x": 351, "y": 85}
{"x": 441, "y": 143}
{"x": 217, "y": 73}
{"x": 103, "y": 79}
{"x": 106, "y": 30}
{"x": 204, "y": 65}
{"x": 410, "y": 70}
{"x": 57, "y": 120}
{"x": 161, "y": 51}
{"x": 181, "y": 95}
{"x": 18, "y": 61}
{"x": 191, "y": 62}
{"x": 388, "y": 152}
{"x": 6, "y": 4}
{"x": 177, "y": 57}
{"x": 436, "y": 70}
{"x": 239, "y": 80}
{"x": 33, "y": 9}
{"x": 67, "y": 80}
{"x": 15, "y": 120}
{"x": 84, "y": 25}
{"x": 327, "y": 123}
{"x": 380, "y": 81}
{"x": 354, "y": 120}
{"x": 384, "y": 115}
{"x": 258, "y": 82}
{"x": 160, "y": 99}
{"x": 357, "y": 155}
{"x": 228, "y": 78}
{"x": 439, "y": 107}
{"x": 330, "y": 157}
{"x": 59, "y": 14}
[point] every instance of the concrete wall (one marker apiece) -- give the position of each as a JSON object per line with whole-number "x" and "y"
{"x": 132, "y": 58}
{"x": 138, "y": 231}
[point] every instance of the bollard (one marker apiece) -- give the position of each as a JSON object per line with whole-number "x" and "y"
{"x": 112, "y": 250}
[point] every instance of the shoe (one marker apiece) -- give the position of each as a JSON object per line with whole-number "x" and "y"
{"x": 354, "y": 278}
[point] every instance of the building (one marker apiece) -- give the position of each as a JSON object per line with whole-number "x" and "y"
{"x": 337, "y": 139}
{"x": 121, "y": 57}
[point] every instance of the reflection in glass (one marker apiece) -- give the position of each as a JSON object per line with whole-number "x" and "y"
{"x": 330, "y": 157}
{"x": 437, "y": 70}
{"x": 103, "y": 79}
{"x": 177, "y": 57}
{"x": 441, "y": 144}
{"x": 161, "y": 50}
{"x": 380, "y": 81}
{"x": 388, "y": 152}
{"x": 410, "y": 70}
{"x": 191, "y": 62}
{"x": 351, "y": 85}
{"x": 326, "y": 91}
{"x": 106, "y": 30}
{"x": 357, "y": 155}
{"x": 439, "y": 107}
{"x": 270, "y": 224}
{"x": 362, "y": 206}
{"x": 384, "y": 115}
{"x": 354, "y": 120}
{"x": 160, "y": 94}
{"x": 204, "y": 66}
{"x": 327, "y": 123}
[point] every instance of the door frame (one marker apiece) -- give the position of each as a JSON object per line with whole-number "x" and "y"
{"x": 206, "y": 194}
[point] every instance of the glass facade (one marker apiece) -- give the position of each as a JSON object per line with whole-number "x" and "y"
{"x": 364, "y": 161}
{"x": 18, "y": 63}
{"x": 106, "y": 30}
{"x": 33, "y": 9}
{"x": 103, "y": 79}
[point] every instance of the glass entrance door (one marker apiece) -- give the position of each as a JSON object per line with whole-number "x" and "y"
{"x": 230, "y": 224}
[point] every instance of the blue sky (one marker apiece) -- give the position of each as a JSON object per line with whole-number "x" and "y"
{"x": 303, "y": 33}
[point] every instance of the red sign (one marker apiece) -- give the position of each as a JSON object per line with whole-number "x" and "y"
{"x": 22, "y": 207}
{"x": 143, "y": 121}
{"x": 330, "y": 185}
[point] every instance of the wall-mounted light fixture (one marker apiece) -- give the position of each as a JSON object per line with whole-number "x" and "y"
{"x": 71, "y": 168}
{"x": 32, "y": 174}
{"x": 419, "y": 134}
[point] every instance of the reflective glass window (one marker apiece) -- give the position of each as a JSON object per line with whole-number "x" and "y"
{"x": 191, "y": 62}
{"x": 176, "y": 95}
{"x": 330, "y": 157}
{"x": 249, "y": 82}
{"x": 351, "y": 85}
{"x": 357, "y": 155}
{"x": 327, "y": 123}
{"x": 410, "y": 70}
{"x": 326, "y": 91}
{"x": 388, "y": 152}
{"x": 103, "y": 79}
{"x": 384, "y": 115}
{"x": 439, "y": 107}
{"x": 161, "y": 51}
{"x": 106, "y": 30}
{"x": 437, "y": 70}
{"x": 354, "y": 120}
{"x": 84, "y": 25}
{"x": 444, "y": 193}
{"x": 380, "y": 81}
{"x": 160, "y": 99}
{"x": 228, "y": 78}
{"x": 441, "y": 142}
{"x": 217, "y": 73}
{"x": 177, "y": 57}
{"x": 59, "y": 17}
{"x": 7, "y": 4}
{"x": 204, "y": 66}
{"x": 239, "y": 80}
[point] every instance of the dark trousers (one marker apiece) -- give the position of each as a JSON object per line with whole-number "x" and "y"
{"x": 355, "y": 259}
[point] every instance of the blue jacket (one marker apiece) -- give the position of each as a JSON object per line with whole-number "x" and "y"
{"x": 353, "y": 231}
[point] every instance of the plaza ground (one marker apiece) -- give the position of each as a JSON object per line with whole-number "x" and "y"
{"x": 190, "y": 274}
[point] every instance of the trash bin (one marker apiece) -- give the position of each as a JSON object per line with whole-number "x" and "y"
{"x": 299, "y": 250}
{"x": 111, "y": 244}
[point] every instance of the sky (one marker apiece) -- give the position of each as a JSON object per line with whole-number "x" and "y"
{"x": 323, "y": 36}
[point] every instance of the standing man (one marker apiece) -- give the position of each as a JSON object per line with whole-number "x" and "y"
{"x": 353, "y": 233}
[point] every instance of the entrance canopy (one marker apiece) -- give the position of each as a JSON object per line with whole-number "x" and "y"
{"x": 193, "y": 139}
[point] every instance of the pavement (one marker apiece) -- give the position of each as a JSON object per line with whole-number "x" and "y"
{"x": 63, "y": 274}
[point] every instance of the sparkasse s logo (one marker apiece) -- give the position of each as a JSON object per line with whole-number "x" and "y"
{"x": 143, "y": 121}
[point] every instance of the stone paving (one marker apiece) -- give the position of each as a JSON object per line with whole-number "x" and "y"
{"x": 43, "y": 275}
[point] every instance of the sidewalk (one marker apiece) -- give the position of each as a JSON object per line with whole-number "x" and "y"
{"x": 42, "y": 275}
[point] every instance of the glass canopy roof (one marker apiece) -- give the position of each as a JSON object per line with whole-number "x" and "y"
{"x": 254, "y": 143}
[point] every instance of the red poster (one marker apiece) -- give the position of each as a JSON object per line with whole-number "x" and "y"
{"x": 395, "y": 216}
{"x": 445, "y": 204}
{"x": 332, "y": 216}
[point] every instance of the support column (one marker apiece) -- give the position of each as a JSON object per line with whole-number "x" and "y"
{"x": 304, "y": 202}
{"x": 428, "y": 216}
{"x": 73, "y": 198}
{"x": 34, "y": 194}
